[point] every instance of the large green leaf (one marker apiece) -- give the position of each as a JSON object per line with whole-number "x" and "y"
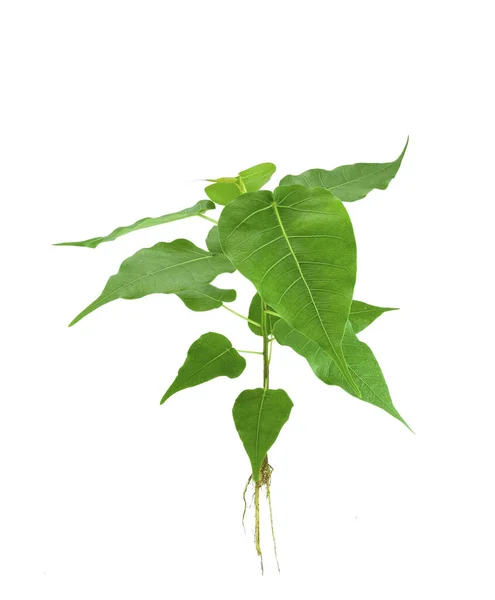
{"x": 255, "y": 315}
{"x": 226, "y": 189}
{"x": 362, "y": 364}
{"x": 349, "y": 182}
{"x": 198, "y": 209}
{"x": 210, "y": 356}
{"x": 206, "y": 297}
{"x": 363, "y": 314}
{"x": 259, "y": 415}
{"x": 297, "y": 246}
{"x": 165, "y": 268}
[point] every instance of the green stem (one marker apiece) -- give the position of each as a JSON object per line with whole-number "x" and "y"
{"x": 250, "y": 352}
{"x": 241, "y": 186}
{"x": 271, "y": 312}
{"x": 242, "y": 316}
{"x": 208, "y": 219}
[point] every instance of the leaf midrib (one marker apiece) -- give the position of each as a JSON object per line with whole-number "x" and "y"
{"x": 134, "y": 281}
{"x": 259, "y": 421}
{"x": 351, "y": 181}
{"x": 302, "y": 277}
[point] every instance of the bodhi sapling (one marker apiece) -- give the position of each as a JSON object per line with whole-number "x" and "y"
{"x": 296, "y": 245}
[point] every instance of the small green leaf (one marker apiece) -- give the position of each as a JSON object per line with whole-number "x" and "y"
{"x": 363, "y": 314}
{"x": 362, "y": 364}
{"x": 213, "y": 241}
{"x": 255, "y": 315}
{"x": 297, "y": 246}
{"x": 223, "y": 193}
{"x": 210, "y": 356}
{"x": 165, "y": 268}
{"x": 206, "y": 297}
{"x": 349, "y": 182}
{"x": 226, "y": 189}
{"x": 259, "y": 415}
{"x": 256, "y": 177}
{"x": 198, "y": 209}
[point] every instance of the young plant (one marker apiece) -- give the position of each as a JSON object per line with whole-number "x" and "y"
{"x": 296, "y": 245}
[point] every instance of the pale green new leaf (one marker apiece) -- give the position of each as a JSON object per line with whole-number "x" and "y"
{"x": 297, "y": 246}
{"x": 223, "y": 192}
{"x": 226, "y": 189}
{"x": 254, "y": 178}
{"x": 259, "y": 415}
{"x": 363, "y": 314}
{"x": 206, "y": 297}
{"x": 362, "y": 364}
{"x": 165, "y": 268}
{"x": 210, "y": 356}
{"x": 349, "y": 182}
{"x": 198, "y": 209}
{"x": 255, "y": 315}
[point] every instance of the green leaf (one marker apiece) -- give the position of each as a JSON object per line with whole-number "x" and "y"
{"x": 259, "y": 415}
{"x": 256, "y": 177}
{"x": 226, "y": 189}
{"x": 363, "y": 314}
{"x": 255, "y": 315}
{"x": 297, "y": 246}
{"x": 206, "y": 297}
{"x": 210, "y": 356}
{"x": 223, "y": 193}
{"x": 349, "y": 182}
{"x": 213, "y": 241}
{"x": 362, "y": 364}
{"x": 198, "y": 209}
{"x": 165, "y": 268}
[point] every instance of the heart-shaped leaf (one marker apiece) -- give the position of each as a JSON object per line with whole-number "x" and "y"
{"x": 210, "y": 356}
{"x": 165, "y": 268}
{"x": 259, "y": 415}
{"x": 198, "y": 209}
{"x": 206, "y": 297}
{"x": 349, "y": 182}
{"x": 362, "y": 364}
{"x": 226, "y": 189}
{"x": 297, "y": 246}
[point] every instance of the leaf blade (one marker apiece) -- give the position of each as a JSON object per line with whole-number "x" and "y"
{"x": 301, "y": 276}
{"x": 209, "y": 357}
{"x": 256, "y": 177}
{"x": 255, "y": 317}
{"x": 259, "y": 416}
{"x": 363, "y": 314}
{"x": 226, "y": 189}
{"x": 350, "y": 182}
{"x": 359, "y": 357}
{"x": 165, "y": 268}
{"x": 206, "y": 297}
{"x": 198, "y": 209}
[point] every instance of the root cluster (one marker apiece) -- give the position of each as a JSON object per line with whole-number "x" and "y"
{"x": 264, "y": 481}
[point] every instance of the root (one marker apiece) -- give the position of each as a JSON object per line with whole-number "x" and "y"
{"x": 264, "y": 481}
{"x": 245, "y": 503}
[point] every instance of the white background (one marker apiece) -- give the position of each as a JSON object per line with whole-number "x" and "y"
{"x": 109, "y": 112}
